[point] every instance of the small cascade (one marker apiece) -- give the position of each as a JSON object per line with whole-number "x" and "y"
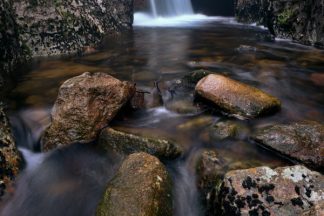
{"x": 171, "y": 8}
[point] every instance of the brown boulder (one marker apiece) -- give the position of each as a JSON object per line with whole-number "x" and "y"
{"x": 303, "y": 141}
{"x": 141, "y": 186}
{"x": 236, "y": 98}
{"x": 84, "y": 106}
{"x": 289, "y": 191}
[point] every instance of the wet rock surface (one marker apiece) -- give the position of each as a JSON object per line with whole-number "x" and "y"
{"x": 10, "y": 158}
{"x": 302, "y": 141}
{"x": 84, "y": 106}
{"x": 12, "y": 50}
{"x": 141, "y": 186}
{"x": 223, "y": 130}
{"x": 211, "y": 168}
{"x": 64, "y": 27}
{"x": 236, "y": 98}
{"x": 126, "y": 143}
{"x": 293, "y": 190}
{"x": 298, "y": 20}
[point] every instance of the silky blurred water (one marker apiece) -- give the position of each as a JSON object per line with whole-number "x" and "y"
{"x": 70, "y": 181}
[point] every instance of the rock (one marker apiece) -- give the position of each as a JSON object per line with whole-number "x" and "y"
{"x": 141, "y": 186}
{"x": 302, "y": 141}
{"x": 12, "y": 51}
{"x": 280, "y": 18}
{"x": 127, "y": 143}
{"x": 84, "y": 106}
{"x": 10, "y": 158}
{"x": 223, "y": 130}
{"x": 211, "y": 168}
{"x": 194, "y": 76}
{"x": 287, "y": 191}
{"x": 64, "y": 27}
{"x": 182, "y": 107}
{"x": 138, "y": 100}
{"x": 201, "y": 121}
{"x": 235, "y": 97}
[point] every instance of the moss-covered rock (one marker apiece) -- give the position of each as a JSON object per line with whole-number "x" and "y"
{"x": 10, "y": 158}
{"x": 299, "y": 20}
{"x": 64, "y": 27}
{"x": 13, "y": 52}
{"x": 142, "y": 186}
{"x": 126, "y": 143}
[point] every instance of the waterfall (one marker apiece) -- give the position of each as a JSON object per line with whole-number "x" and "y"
{"x": 171, "y": 8}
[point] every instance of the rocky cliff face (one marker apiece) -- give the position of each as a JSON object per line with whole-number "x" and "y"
{"x": 30, "y": 28}
{"x": 12, "y": 50}
{"x": 299, "y": 20}
{"x": 64, "y": 27}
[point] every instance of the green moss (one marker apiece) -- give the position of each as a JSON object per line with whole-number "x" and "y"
{"x": 284, "y": 17}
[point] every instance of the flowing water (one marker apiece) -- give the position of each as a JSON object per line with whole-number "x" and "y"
{"x": 170, "y": 8}
{"x": 70, "y": 181}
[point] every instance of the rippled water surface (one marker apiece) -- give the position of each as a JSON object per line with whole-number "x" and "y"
{"x": 70, "y": 181}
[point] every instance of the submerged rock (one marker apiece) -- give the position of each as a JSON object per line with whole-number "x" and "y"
{"x": 84, "y": 106}
{"x": 194, "y": 76}
{"x": 303, "y": 141}
{"x": 289, "y": 191}
{"x": 223, "y": 130}
{"x": 130, "y": 143}
{"x": 10, "y": 158}
{"x": 235, "y": 97}
{"x": 141, "y": 186}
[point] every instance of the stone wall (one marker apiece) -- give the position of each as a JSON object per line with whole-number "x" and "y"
{"x": 299, "y": 20}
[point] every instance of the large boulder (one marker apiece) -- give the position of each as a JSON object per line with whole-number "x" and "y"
{"x": 127, "y": 143}
{"x": 63, "y": 27}
{"x": 84, "y": 106}
{"x": 302, "y": 141}
{"x": 289, "y": 191}
{"x": 299, "y": 20}
{"x": 12, "y": 51}
{"x": 10, "y": 158}
{"x": 142, "y": 186}
{"x": 236, "y": 98}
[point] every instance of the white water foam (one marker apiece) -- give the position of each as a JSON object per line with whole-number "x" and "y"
{"x": 147, "y": 20}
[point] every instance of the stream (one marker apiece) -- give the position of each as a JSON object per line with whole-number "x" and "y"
{"x": 70, "y": 181}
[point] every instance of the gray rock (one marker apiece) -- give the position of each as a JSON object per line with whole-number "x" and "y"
{"x": 241, "y": 100}
{"x": 290, "y": 191}
{"x": 303, "y": 141}
{"x": 84, "y": 106}
{"x": 10, "y": 158}
{"x": 211, "y": 168}
{"x": 141, "y": 186}
{"x": 126, "y": 143}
